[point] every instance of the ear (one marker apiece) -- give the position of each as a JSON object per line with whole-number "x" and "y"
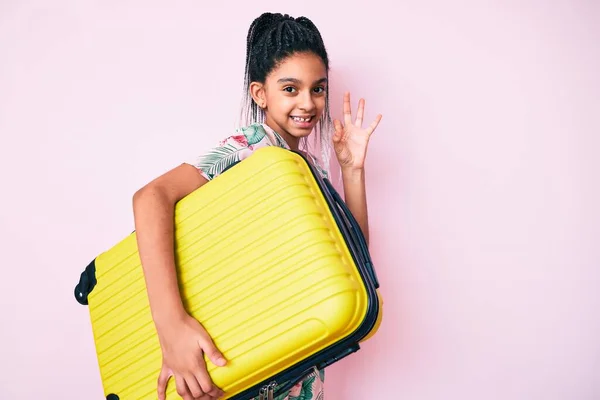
{"x": 257, "y": 91}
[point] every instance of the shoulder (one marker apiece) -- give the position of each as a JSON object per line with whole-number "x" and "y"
{"x": 250, "y": 136}
{"x": 230, "y": 150}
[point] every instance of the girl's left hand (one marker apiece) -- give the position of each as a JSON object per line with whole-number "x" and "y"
{"x": 350, "y": 140}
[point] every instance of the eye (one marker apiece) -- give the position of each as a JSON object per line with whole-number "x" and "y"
{"x": 288, "y": 87}
{"x": 321, "y": 88}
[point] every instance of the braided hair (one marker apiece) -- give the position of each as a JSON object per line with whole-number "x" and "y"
{"x": 272, "y": 38}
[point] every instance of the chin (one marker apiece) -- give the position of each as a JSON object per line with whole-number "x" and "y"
{"x": 300, "y": 133}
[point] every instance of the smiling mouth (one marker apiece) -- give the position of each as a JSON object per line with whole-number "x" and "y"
{"x": 298, "y": 119}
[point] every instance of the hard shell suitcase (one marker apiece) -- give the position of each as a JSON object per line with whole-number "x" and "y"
{"x": 269, "y": 260}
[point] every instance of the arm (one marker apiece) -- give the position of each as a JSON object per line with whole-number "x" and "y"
{"x": 350, "y": 143}
{"x": 153, "y": 207}
{"x": 182, "y": 338}
{"x": 356, "y": 198}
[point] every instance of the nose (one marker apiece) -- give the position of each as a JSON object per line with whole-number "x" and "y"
{"x": 306, "y": 101}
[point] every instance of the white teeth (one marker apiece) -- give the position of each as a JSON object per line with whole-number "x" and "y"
{"x": 301, "y": 119}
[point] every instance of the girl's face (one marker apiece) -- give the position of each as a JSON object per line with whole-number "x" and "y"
{"x": 293, "y": 96}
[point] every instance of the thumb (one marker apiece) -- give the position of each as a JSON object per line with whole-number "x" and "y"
{"x": 209, "y": 348}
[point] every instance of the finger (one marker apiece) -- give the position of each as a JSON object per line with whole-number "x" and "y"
{"x": 207, "y": 385}
{"x": 182, "y": 389}
{"x": 338, "y": 130}
{"x": 347, "y": 109}
{"x": 163, "y": 379}
{"x": 360, "y": 113}
{"x": 216, "y": 392}
{"x": 374, "y": 124}
{"x": 209, "y": 348}
{"x": 193, "y": 386}
{"x": 205, "y": 382}
{"x": 206, "y": 397}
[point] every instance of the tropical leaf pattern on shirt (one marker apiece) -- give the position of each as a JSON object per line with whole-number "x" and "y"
{"x": 254, "y": 134}
{"x": 306, "y": 393}
{"x": 218, "y": 159}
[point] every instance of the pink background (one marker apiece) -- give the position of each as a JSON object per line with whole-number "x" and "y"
{"x": 482, "y": 178}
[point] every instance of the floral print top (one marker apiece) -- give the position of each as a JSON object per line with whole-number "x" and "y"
{"x": 212, "y": 163}
{"x": 239, "y": 146}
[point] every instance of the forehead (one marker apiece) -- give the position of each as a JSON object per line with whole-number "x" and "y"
{"x": 306, "y": 67}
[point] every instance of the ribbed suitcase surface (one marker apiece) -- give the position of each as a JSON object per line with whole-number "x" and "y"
{"x": 262, "y": 264}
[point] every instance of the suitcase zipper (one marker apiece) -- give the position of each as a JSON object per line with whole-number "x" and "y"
{"x": 261, "y": 394}
{"x": 267, "y": 391}
{"x": 276, "y": 391}
{"x": 270, "y": 390}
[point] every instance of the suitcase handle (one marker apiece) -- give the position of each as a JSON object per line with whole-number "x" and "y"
{"x": 87, "y": 282}
{"x": 358, "y": 236}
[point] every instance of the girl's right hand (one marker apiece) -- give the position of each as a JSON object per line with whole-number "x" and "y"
{"x": 184, "y": 342}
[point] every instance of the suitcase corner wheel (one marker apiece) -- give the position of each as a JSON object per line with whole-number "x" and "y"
{"x": 112, "y": 396}
{"x": 87, "y": 282}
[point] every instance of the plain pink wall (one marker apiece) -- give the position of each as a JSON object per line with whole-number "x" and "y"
{"x": 482, "y": 178}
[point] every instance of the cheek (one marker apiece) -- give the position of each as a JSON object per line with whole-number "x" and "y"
{"x": 285, "y": 104}
{"x": 277, "y": 100}
{"x": 320, "y": 102}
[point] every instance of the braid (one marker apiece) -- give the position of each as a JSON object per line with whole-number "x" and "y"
{"x": 271, "y": 38}
{"x": 250, "y": 110}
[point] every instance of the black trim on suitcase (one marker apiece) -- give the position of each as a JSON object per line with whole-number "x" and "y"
{"x": 87, "y": 282}
{"x": 357, "y": 233}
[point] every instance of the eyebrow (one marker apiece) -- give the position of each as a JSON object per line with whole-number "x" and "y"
{"x": 298, "y": 81}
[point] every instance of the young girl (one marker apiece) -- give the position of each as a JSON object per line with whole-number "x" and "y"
{"x": 286, "y": 98}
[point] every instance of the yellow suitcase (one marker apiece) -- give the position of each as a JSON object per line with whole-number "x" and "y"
{"x": 269, "y": 260}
